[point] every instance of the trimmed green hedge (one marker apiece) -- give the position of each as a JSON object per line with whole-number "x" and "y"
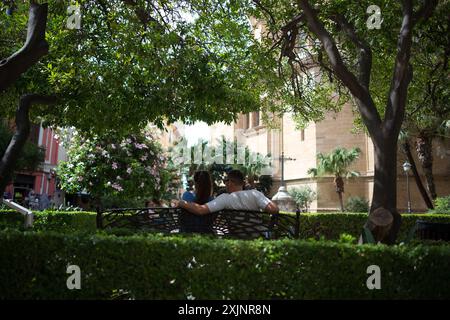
{"x": 33, "y": 266}
{"x": 51, "y": 220}
{"x": 312, "y": 225}
{"x": 331, "y": 225}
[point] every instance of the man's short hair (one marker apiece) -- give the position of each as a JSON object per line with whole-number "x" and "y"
{"x": 236, "y": 176}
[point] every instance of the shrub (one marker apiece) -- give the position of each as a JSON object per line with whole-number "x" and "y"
{"x": 123, "y": 168}
{"x": 442, "y": 205}
{"x": 51, "y": 220}
{"x": 332, "y": 225}
{"x": 303, "y": 196}
{"x": 328, "y": 226}
{"x": 357, "y": 204}
{"x": 347, "y": 238}
{"x": 172, "y": 267}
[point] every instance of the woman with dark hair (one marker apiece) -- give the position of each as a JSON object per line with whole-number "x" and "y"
{"x": 201, "y": 195}
{"x": 202, "y": 189}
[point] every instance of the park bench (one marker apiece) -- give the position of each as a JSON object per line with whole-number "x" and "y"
{"x": 427, "y": 230}
{"x": 236, "y": 224}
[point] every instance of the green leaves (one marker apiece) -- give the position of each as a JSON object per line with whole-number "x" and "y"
{"x": 110, "y": 165}
{"x": 150, "y": 266}
{"x": 303, "y": 196}
{"x": 31, "y": 156}
{"x": 192, "y": 61}
{"x": 336, "y": 163}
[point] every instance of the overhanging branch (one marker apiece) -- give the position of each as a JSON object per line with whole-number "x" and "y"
{"x": 365, "y": 53}
{"x": 34, "y": 49}
{"x": 365, "y": 103}
{"x": 12, "y": 153}
{"x": 263, "y": 8}
{"x": 395, "y": 109}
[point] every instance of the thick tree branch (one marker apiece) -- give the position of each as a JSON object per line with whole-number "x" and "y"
{"x": 12, "y": 153}
{"x": 293, "y": 23}
{"x": 258, "y": 3}
{"x": 365, "y": 103}
{"x": 365, "y": 53}
{"x": 33, "y": 50}
{"x": 396, "y": 106}
{"x": 407, "y": 150}
{"x": 395, "y": 109}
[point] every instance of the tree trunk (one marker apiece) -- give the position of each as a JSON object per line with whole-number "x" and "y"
{"x": 341, "y": 201}
{"x": 423, "y": 192}
{"x": 424, "y": 148}
{"x": 11, "y": 69}
{"x": 12, "y": 153}
{"x": 385, "y": 187}
{"x": 384, "y": 132}
{"x": 34, "y": 49}
{"x": 339, "y": 184}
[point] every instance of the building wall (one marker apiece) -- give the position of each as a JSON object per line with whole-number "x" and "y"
{"x": 301, "y": 147}
{"x": 44, "y": 178}
{"x": 324, "y": 136}
{"x": 336, "y": 130}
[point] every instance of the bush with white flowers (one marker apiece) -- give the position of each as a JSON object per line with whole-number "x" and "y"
{"x": 129, "y": 168}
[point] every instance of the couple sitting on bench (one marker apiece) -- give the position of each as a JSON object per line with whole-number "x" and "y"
{"x": 235, "y": 199}
{"x": 236, "y": 214}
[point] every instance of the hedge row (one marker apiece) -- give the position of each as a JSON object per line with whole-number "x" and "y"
{"x": 51, "y": 220}
{"x": 312, "y": 225}
{"x": 33, "y": 265}
{"x": 332, "y": 225}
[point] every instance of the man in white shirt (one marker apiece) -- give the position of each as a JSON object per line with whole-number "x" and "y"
{"x": 235, "y": 199}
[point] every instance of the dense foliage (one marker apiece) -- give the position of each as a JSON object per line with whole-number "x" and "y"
{"x": 329, "y": 226}
{"x": 303, "y": 196}
{"x": 34, "y": 266}
{"x": 32, "y": 155}
{"x": 442, "y": 205}
{"x": 357, "y": 204}
{"x": 134, "y": 167}
{"x": 134, "y": 62}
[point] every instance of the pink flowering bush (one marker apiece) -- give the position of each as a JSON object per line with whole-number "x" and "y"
{"x": 134, "y": 167}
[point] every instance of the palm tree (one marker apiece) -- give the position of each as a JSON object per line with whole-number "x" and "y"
{"x": 337, "y": 163}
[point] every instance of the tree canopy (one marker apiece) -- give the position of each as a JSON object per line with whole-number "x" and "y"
{"x": 137, "y": 61}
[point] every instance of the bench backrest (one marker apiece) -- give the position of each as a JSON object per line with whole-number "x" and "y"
{"x": 227, "y": 223}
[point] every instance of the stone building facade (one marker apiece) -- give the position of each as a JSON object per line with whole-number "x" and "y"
{"x": 322, "y": 137}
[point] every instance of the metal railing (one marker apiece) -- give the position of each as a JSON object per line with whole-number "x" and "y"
{"x": 29, "y": 217}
